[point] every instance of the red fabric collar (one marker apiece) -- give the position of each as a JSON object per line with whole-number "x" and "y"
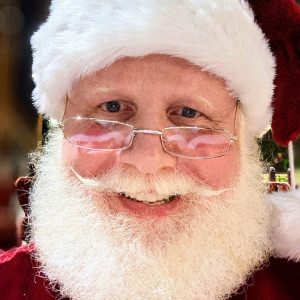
{"x": 19, "y": 279}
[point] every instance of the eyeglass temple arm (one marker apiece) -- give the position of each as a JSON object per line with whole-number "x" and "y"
{"x": 234, "y": 138}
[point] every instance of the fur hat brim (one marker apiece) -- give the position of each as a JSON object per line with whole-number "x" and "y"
{"x": 286, "y": 224}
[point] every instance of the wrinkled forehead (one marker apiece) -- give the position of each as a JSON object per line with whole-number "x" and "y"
{"x": 161, "y": 65}
{"x": 161, "y": 77}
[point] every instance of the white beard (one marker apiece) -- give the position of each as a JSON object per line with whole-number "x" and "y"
{"x": 206, "y": 251}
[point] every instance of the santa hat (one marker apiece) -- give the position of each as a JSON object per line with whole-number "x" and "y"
{"x": 280, "y": 21}
{"x": 81, "y": 37}
{"x": 224, "y": 37}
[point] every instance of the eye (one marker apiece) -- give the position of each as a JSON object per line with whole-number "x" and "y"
{"x": 112, "y": 106}
{"x": 188, "y": 112}
{"x": 182, "y": 115}
{"x": 117, "y": 110}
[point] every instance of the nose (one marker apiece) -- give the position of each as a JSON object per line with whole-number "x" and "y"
{"x": 147, "y": 155}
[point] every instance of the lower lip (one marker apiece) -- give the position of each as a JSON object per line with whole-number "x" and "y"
{"x": 143, "y": 210}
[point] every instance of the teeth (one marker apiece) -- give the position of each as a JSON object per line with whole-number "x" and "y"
{"x": 150, "y": 199}
{"x": 147, "y": 197}
{"x": 139, "y": 196}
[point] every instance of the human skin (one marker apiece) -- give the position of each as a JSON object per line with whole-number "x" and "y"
{"x": 152, "y": 91}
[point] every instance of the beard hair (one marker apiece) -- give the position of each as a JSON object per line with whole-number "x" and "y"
{"x": 205, "y": 249}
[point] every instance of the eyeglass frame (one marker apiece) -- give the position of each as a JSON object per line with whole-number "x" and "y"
{"x": 134, "y": 132}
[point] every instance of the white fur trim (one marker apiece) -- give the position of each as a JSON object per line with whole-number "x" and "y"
{"x": 83, "y": 36}
{"x": 286, "y": 224}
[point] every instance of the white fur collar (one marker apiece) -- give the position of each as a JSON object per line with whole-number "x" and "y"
{"x": 286, "y": 224}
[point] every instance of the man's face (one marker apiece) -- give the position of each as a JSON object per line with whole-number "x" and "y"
{"x": 98, "y": 244}
{"x": 153, "y": 92}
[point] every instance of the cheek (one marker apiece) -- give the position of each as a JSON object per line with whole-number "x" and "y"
{"x": 89, "y": 163}
{"x": 218, "y": 173}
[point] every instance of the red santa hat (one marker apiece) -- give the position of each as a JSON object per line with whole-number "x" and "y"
{"x": 280, "y": 21}
{"x": 224, "y": 37}
{"x": 81, "y": 37}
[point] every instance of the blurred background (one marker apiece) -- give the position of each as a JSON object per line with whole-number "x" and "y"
{"x": 19, "y": 130}
{"x": 20, "y": 126}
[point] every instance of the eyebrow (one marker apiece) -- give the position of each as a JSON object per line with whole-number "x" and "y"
{"x": 204, "y": 101}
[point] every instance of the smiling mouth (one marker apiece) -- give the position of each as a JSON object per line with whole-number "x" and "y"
{"x": 149, "y": 199}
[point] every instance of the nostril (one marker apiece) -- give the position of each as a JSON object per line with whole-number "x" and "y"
{"x": 147, "y": 156}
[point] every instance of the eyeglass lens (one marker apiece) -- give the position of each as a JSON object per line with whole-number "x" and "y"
{"x": 108, "y": 135}
{"x": 196, "y": 142}
{"x": 97, "y": 134}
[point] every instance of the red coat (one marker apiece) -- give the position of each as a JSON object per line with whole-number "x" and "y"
{"x": 18, "y": 279}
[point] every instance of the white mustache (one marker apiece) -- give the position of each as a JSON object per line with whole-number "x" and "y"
{"x": 121, "y": 180}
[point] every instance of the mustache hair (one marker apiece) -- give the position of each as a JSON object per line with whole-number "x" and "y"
{"x": 126, "y": 179}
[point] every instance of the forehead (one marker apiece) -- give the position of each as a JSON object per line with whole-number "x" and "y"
{"x": 153, "y": 76}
